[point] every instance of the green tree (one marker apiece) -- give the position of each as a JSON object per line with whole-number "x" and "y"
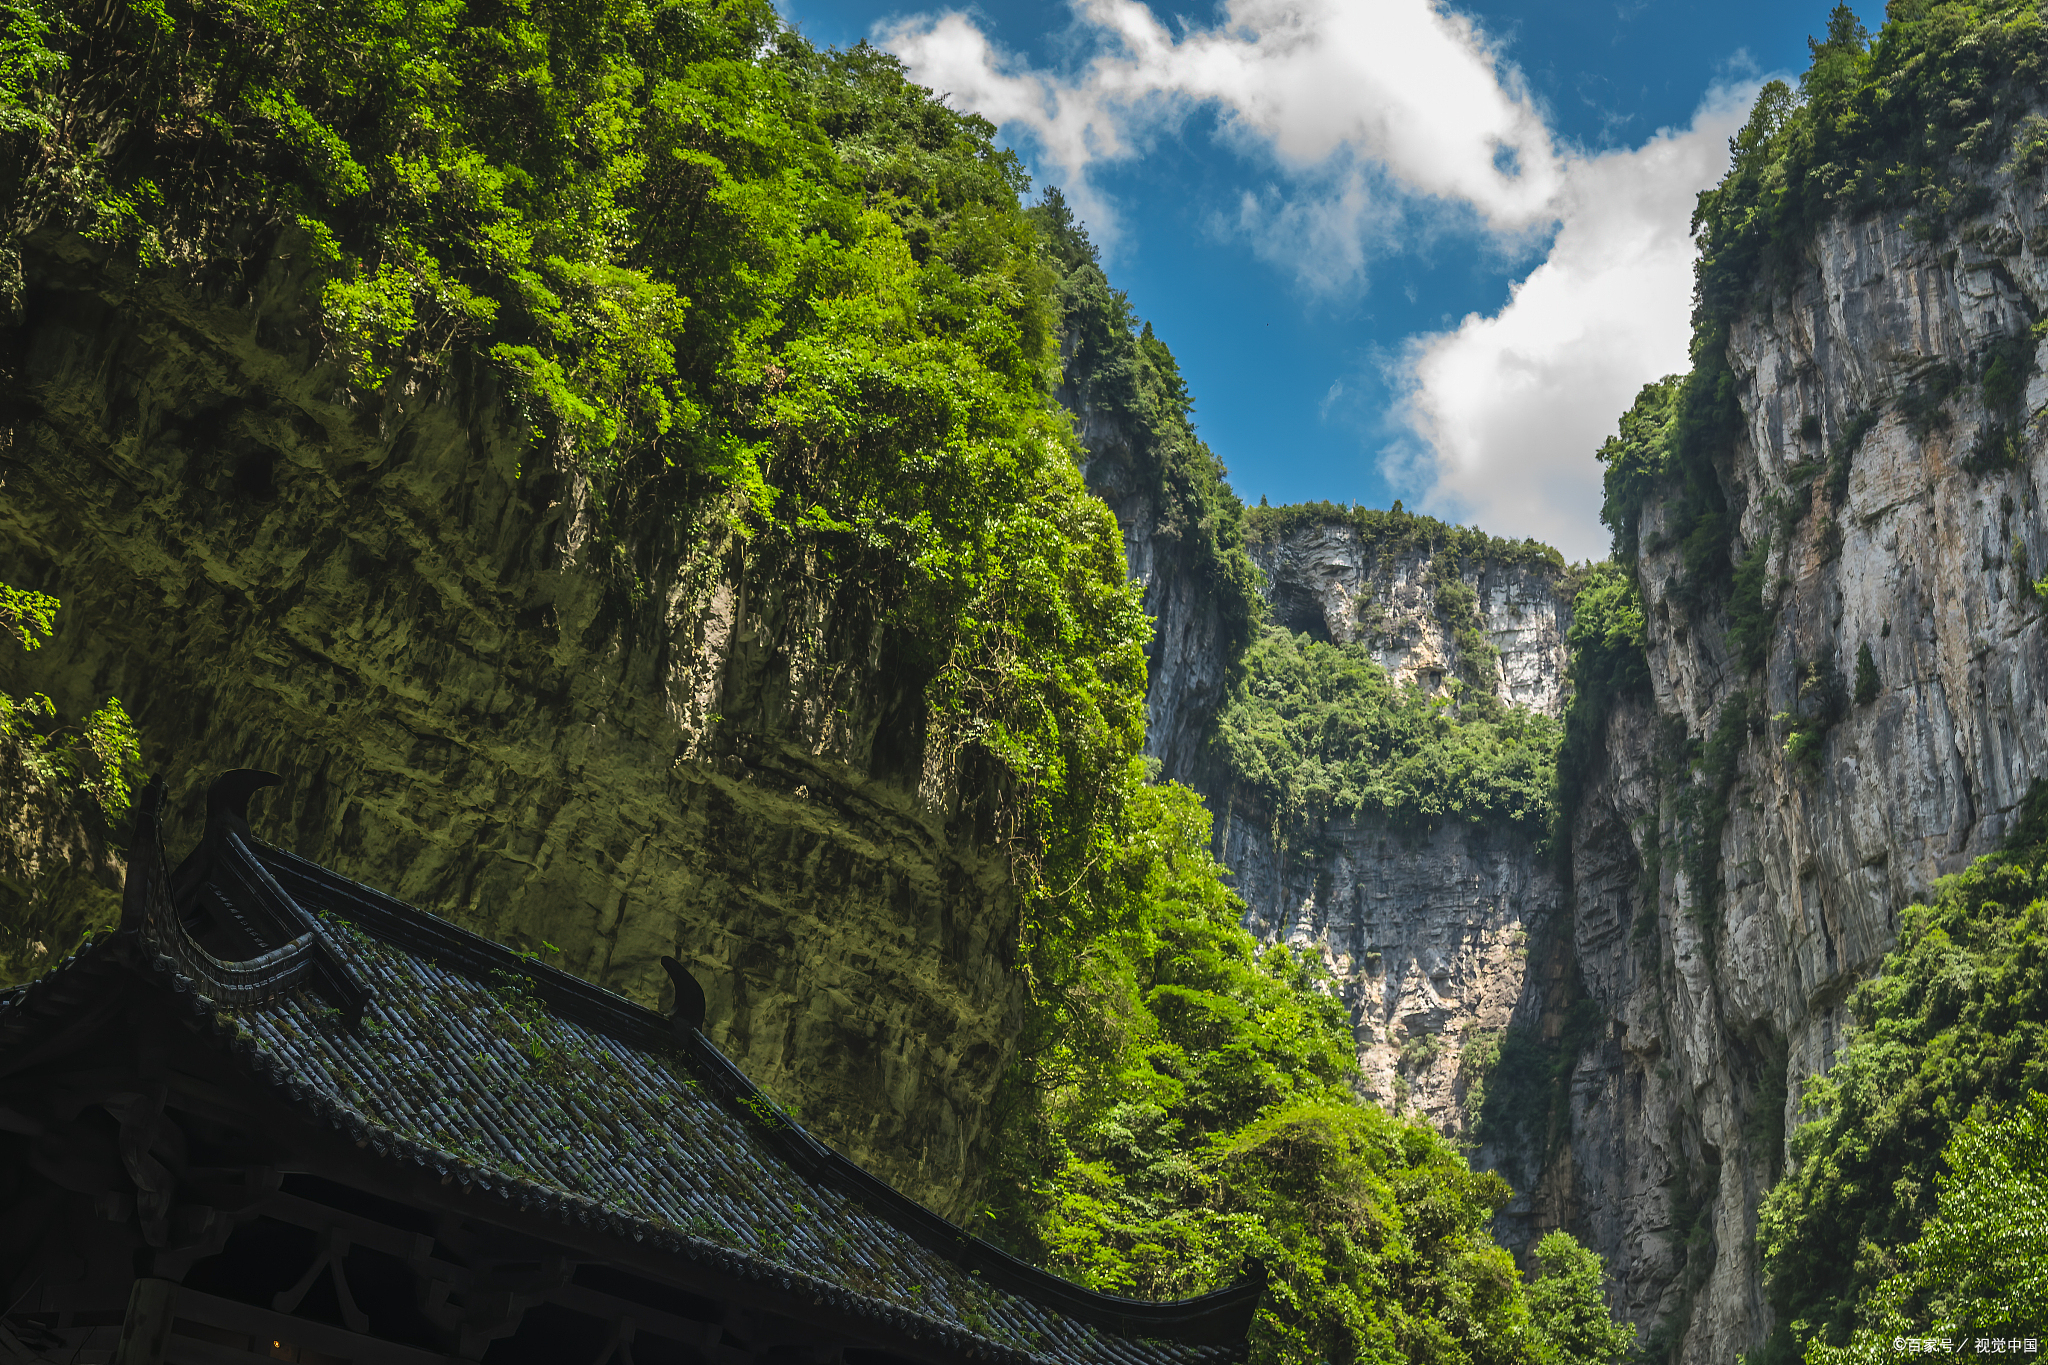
{"x": 1608, "y": 662}
{"x": 1568, "y": 1313}
{"x": 1866, "y": 675}
{"x": 47, "y": 767}
{"x": 101, "y": 756}
{"x": 1955, "y": 1022}
{"x": 1320, "y": 732}
{"x": 1185, "y": 1108}
{"x": 1636, "y": 457}
{"x": 1979, "y": 1268}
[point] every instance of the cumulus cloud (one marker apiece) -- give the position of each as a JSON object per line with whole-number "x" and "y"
{"x": 1509, "y": 408}
{"x": 1376, "y": 123}
{"x": 1354, "y": 101}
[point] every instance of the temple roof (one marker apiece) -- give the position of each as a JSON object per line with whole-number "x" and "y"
{"x": 440, "y": 1049}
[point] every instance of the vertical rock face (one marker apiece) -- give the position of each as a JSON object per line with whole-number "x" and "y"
{"x": 1428, "y": 933}
{"x": 383, "y": 607}
{"x": 1184, "y": 661}
{"x": 1324, "y": 579}
{"x": 1624, "y": 1174}
{"x": 1721, "y": 1000}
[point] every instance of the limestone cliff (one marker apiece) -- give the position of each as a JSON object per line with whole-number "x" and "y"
{"x": 388, "y": 608}
{"x": 1428, "y": 933}
{"x": 1325, "y": 578}
{"x": 1727, "y": 990}
{"x": 1187, "y": 662}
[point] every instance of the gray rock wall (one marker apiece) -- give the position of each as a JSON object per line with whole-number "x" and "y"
{"x": 1325, "y": 580}
{"x": 1727, "y": 1005}
{"x": 1713, "y": 1009}
{"x": 1428, "y": 934}
{"x": 1184, "y": 661}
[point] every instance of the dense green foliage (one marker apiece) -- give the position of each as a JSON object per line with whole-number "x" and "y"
{"x": 89, "y": 771}
{"x": 100, "y": 756}
{"x": 740, "y": 284}
{"x": 1979, "y": 1270}
{"x": 1314, "y": 731}
{"x": 1955, "y": 1023}
{"x": 1568, "y": 1307}
{"x": 1910, "y": 121}
{"x": 1608, "y": 663}
{"x": 1636, "y": 457}
{"x": 1189, "y": 1110}
{"x": 1319, "y": 732}
{"x": 730, "y": 277}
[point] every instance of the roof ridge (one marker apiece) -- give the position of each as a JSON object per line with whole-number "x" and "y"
{"x": 407, "y": 926}
{"x": 1219, "y": 1315}
{"x": 277, "y": 1073}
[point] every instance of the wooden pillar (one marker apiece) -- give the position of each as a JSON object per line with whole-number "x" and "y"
{"x": 148, "y": 1325}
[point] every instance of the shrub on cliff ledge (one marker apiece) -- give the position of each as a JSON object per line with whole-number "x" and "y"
{"x": 1609, "y": 662}
{"x": 45, "y": 768}
{"x": 99, "y": 756}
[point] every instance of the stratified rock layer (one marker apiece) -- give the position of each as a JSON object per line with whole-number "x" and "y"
{"x": 1728, "y": 1000}
{"x": 386, "y": 608}
{"x": 1428, "y": 932}
{"x": 1323, "y": 579}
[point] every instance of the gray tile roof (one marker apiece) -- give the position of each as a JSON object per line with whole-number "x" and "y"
{"x": 537, "y": 1089}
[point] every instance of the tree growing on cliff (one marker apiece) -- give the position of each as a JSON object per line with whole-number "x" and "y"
{"x": 1568, "y": 1307}
{"x": 1866, "y": 675}
{"x": 1873, "y": 1223}
{"x": 100, "y": 756}
{"x": 1190, "y": 1108}
{"x": 54, "y": 774}
{"x": 1319, "y": 731}
{"x": 1979, "y": 1269}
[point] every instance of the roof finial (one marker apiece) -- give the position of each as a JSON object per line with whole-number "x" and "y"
{"x": 228, "y": 798}
{"x": 689, "y": 1010}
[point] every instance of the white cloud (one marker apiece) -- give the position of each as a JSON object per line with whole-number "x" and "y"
{"x": 1374, "y": 123}
{"x": 1354, "y": 101}
{"x": 1511, "y": 407}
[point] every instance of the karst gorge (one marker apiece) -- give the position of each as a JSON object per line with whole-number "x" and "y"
{"x": 652, "y": 486}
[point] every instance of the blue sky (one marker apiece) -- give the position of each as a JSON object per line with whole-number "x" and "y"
{"x": 1326, "y": 206}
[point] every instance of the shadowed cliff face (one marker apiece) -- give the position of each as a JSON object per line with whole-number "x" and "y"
{"x": 1185, "y": 667}
{"x": 393, "y": 612}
